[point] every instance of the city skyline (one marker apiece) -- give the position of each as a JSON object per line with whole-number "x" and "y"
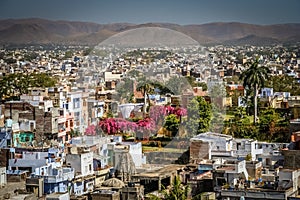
{"x": 138, "y": 12}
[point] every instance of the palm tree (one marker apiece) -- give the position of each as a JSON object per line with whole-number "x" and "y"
{"x": 254, "y": 77}
{"x": 176, "y": 191}
{"x": 146, "y": 88}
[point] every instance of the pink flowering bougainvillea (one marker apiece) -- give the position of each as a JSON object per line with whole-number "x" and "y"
{"x": 144, "y": 127}
{"x": 113, "y": 126}
{"x": 90, "y": 130}
{"x": 180, "y": 112}
{"x": 146, "y": 123}
{"x": 158, "y": 113}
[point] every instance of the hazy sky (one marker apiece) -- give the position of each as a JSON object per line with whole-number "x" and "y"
{"x": 144, "y": 11}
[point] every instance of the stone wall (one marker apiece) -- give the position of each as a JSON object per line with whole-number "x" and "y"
{"x": 291, "y": 159}
{"x": 4, "y": 156}
{"x": 199, "y": 150}
{"x": 109, "y": 195}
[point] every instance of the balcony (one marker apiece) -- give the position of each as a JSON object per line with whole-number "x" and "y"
{"x": 246, "y": 152}
{"x": 61, "y": 131}
{"x": 258, "y": 151}
{"x": 241, "y": 152}
{"x": 102, "y": 172}
{"x": 67, "y": 175}
{"x": 222, "y": 153}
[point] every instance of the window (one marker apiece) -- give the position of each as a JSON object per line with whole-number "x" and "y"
{"x": 66, "y": 106}
{"x": 105, "y": 152}
{"x": 77, "y": 116}
{"x": 76, "y": 103}
{"x": 32, "y": 126}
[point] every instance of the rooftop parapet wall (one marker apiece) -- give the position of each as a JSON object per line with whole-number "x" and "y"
{"x": 292, "y": 159}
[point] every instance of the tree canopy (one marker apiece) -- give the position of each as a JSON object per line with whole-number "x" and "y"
{"x": 176, "y": 192}
{"x": 177, "y": 85}
{"x": 199, "y": 116}
{"x": 19, "y": 83}
{"x": 283, "y": 83}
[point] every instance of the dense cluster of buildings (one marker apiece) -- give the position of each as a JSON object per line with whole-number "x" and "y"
{"x": 44, "y": 139}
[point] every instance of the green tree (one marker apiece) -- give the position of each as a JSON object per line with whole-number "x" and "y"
{"x": 86, "y": 51}
{"x": 14, "y": 85}
{"x": 239, "y": 112}
{"x": 217, "y": 92}
{"x": 125, "y": 90}
{"x": 30, "y": 56}
{"x": 199, "y": 116}
{"x": 172, "y": 123}
{"x": 254, "y": 77}
{"x": 43, "y": 80}
{"x": 161, "y": 88}
{"x": 273, "y": 126}
{"x": 74, "y": 133}
{"x": 177, "y": 85}
{"x": 135, "y": 74}
{"x": 217, "y": 121}
{"x": 232, "y": 79}
{"x": 192, "y": 81}
{"x": 283, "y": 83}
{"x": 248, "y": 157}
{"x": 242, "y": 129}
{"x": 203, "y": 85}
{"x": 68, "y": 54}
{"x": 20, "y": 83}
{"x": 6, "y": 87}
{"x": 177, "y": 191}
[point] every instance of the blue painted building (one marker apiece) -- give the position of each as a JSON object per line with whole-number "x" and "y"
{"x": 56, "y": 178}
{"x": 5, "y": 137}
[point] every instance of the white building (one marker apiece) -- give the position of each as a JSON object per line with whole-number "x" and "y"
{"x": 28, "y": 160}
{"x": 246, "y": 147}
{"x": 95, "y": 110}
{"x": 208, "y": 145}
{"x": 81, "y": 159}
{"x": 233, "y": 172}
{"x": 111, "y": 76}
{"x": 74, "y": 105}
{"x": 117, "y": 147}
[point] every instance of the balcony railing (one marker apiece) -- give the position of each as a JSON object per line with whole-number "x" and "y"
{"x": 61, "y": 133}
{"x": 68, "y": 176}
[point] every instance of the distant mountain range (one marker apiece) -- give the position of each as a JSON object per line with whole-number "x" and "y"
{"x": 41, "y": 31}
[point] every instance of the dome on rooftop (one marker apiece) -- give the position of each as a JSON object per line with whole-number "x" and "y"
{"x": 113, "y": 182}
